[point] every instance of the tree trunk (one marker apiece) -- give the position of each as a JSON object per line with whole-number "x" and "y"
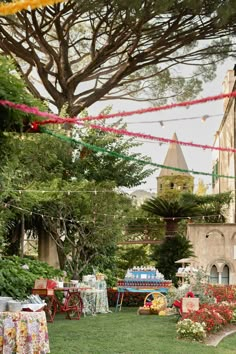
{"x": 171, "y": 228}
{"x": 47, "y": 249}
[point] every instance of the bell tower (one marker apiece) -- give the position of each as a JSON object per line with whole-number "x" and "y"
{"x": 171, "y": 183}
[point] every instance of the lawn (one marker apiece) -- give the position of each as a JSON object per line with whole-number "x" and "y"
{"x": 125, "y": 332}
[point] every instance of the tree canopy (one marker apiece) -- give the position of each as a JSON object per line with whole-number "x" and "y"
{"x": 85, "y": 51}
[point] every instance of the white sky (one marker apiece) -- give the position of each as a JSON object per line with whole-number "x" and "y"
{"x": 189, "y": 130}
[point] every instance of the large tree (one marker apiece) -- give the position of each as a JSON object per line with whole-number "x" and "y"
{"x": 84, "y": 51}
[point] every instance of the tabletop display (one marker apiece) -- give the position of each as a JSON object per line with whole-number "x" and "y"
{"x": 23, "y": 333}
{"x": 144, "y": 277}
{"x": 141, "y": 279}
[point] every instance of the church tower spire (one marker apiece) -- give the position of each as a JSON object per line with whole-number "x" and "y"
{"x": 171, "y": 183}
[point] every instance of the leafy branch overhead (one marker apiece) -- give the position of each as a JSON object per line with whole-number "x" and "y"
{"x": 84, "y": 51}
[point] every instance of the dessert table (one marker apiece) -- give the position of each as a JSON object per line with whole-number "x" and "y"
{"x": 23, "y": 333}
{"x": 121, "y": 290}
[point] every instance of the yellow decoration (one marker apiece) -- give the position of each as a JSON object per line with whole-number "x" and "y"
{"x": 162, "y": 313}
{"x": 13, "y": 7}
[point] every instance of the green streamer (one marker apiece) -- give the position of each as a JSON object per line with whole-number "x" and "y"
{"x": 127, "y": 158}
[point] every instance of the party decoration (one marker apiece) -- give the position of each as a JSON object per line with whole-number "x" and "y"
{"x": 126, "y": 157}
{"x": 54, "y": 119}
{"x": 14, "y": 7}
{"x": 151, "y": 137}
{"x": 36, "y": 111}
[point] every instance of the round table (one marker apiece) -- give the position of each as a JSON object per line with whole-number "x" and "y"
{"x": 95, "y": 299}
{"x": 23, "y": 333}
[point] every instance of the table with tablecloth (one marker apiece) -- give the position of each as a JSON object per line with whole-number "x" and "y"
{"x": 95, "y": 299}
{"x": 23, "y": 333}
{"x": 121, "y": 290}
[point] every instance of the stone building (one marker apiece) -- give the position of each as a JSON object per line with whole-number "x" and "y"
{"x": 171, "y": 183}
{"x": 225, "y": 162}
{"x": 214, "y": 246}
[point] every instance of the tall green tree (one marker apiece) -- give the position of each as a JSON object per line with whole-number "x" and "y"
{"x": 171, "y": 250}
{"x": 86, "y": 51}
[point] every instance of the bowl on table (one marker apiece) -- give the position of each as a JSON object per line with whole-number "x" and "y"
{"x": 14, "y": 306}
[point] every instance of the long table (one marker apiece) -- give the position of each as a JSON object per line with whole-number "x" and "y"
{"x": 121, "y": 290}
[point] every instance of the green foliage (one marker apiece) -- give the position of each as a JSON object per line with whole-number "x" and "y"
{"x": 101, "y": 167}
{"x": 142, "y": 227}
{"x": 213, "y": 207}
{"x": 169, "y": 208}
{"x": 171, "y": 250}
{"x": 172, "y": 211}
{"x": 130, "y": 256}
{"x": 18, "y": 282}
{"x": 13, "y": 88}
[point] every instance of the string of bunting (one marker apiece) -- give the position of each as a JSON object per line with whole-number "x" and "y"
{"x": 16, "y": 6}
{"x": 34, "y": 110}
{"x": 128, "y": 158}
{"x": 59, "y": 120}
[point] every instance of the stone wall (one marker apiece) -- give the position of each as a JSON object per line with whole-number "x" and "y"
{"x": 215, "y": 244}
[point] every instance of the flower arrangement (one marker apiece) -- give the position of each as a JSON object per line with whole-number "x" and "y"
{"x": 191, "y": 330}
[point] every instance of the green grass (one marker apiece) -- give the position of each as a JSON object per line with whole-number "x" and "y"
{"x": 125, "y": 332}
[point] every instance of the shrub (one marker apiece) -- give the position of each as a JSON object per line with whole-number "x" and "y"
{"x": 17, "y": 275}
{"x": 188, "y": 329}
{"x": 212, "y": 319}
{"x": 224, "y": 310}
{"x": 222, "y": 292}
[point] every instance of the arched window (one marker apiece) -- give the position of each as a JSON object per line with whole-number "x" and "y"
{"x": 161, "y": 186}
{"x": 214, "y": 276}
{"x": 172, "y": 185}
{"x": 225, "y": 275}
{"x": 184, "y": 186}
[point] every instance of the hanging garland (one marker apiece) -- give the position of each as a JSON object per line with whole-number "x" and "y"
{"x": 128, "y": 158}
{"x": 37, "y": 112}
{"x": 14, "y": 7}
{"x": 136, "y": 135}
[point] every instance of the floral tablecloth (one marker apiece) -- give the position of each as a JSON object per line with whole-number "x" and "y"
{"x": 23, "y": 333}
{"x": 95, "y": 300}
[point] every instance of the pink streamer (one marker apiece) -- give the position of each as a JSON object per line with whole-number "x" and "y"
{"x": 54, "y": 119}
{"x": 34, "y": 110}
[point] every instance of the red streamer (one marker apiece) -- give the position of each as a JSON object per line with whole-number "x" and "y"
{"x": 34, "y": 110}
